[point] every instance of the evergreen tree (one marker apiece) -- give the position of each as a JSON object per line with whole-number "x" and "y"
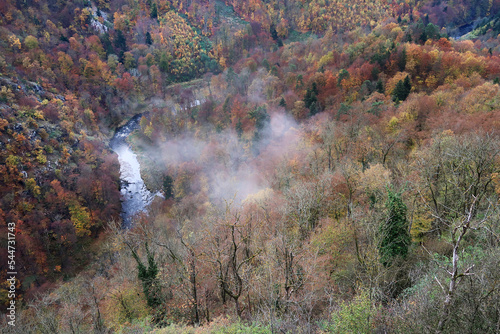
{"x": 274, "y": 35}
{"x": 120, "y": 44}
{"x": 395, "y": 237}
{"x": 343, "y": 74}
{"x": 432, "y": 31}
{"x": 239, "y": 129}
{"x": 380, "y": 87}
{"x": 260, "y": 116}
{"x": 423, "y": 37}
{"x": 311, "y": 100}
{"x": 283, "y": 103}
{"x": 266, "y": 64}
{"x": 149, "y": 40}
{"x": 402, "y": 90}
{"x": 120, "y": 41}
{"x": 147, "y": 275}
{"x": 168, "y": 187}
{"x": 407, "y": 86}
{"x": 154, "y": 11}
{"x": 106, "y": 44}
{"x": 402, "y": 60}
{"x": 426, "y": 19}
{"x": 164, "y": 62}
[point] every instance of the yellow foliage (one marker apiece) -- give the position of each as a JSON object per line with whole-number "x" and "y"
{"x": 6, "y": 94}
{"x": 393, "y": 123}
{"x": 483, "y": 98}
{"x": 260, "y": 196}
{"x": 31, "y": 42}
{"x": 421, "y": 224}
{"x": 326, "y": 59}
{"x": 14, "y": 42}
{"x": 80, "y": 217}
{"x": 125, "y": 304}
{"x": 33, "y": 187}
{"x": 42, "y": 159}
{"x": 375, "y": 179}
{"x": 334, "y": 237}
{"x": 391, "y": 84}
{"x": 496, "y": 182}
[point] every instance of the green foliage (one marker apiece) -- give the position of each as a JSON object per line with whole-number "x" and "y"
{"x": 129, "y": 60}
{"x": 402, "y": 60}
{"x": 343, "y": 109}
{"x": 239, "y": 128}
{"x": 147, "y": 275}
{"x": 475, "y": 303}
{"x": 402, "y": 90}
{"x": 380, "y": 87}
{"x": 353, "y": 317}
{"x": 131, "y": 311}
{"x": 164, "y": 62}
{"x": 343, "y": 74}
{"x": 6, "y": 94}
{"x": 182, "y": 50}
{"x": 241, "y": 328}
{"x": 31, "y": 42}
{"x": 154, "y": 11}
{"x": 266, "y": 64}
{"x": 282, "y": 103}
{"x": 432, "y": 31}
{"x": 394, "y": 234}
{"x": 260, "y": 116}
{"x": 149, "y": 40}
{"x": 219, "y": 326}
{"x": 168, "y": 187}
{"x": 311, "y": 100}
{"x": 274, "y": 35}
{"x": 120, "y": 42}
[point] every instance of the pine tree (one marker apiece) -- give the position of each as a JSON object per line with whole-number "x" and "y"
{"x": 395, "y": 237}
{"x": 164, "y": 62}
{"x": 120, "y": 44}
{"x": 380, "y": 87}
{"x": 402, "y": 60}
{"x": 402, "y": 90}
{"x": 239, "y": 129}
{"x": 311, "y": 100}
{"x": 168, "y": 187}
{"x": 149, "y": 40}
{"x": 154, "y": 12}
{"x": 343, "y": 74}
{"x": 407, "y": 86}
{"x": 283, "y": 103}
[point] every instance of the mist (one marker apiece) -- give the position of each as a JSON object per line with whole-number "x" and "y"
{"x": 224, "y": 166}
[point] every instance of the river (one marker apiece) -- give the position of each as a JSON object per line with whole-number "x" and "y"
{"x": 135, "y": 196}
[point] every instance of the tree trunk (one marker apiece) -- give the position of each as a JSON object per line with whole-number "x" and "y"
{"x": 195, "y": 293}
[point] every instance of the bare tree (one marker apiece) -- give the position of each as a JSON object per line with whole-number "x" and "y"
{"x": 457, "y": 191}
{"x": 231, "y": 251}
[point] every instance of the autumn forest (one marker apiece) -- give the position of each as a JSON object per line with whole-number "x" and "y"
{"x": 322, "y": 166}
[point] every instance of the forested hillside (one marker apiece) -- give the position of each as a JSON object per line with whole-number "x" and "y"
{"x": 325, "y": 166}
